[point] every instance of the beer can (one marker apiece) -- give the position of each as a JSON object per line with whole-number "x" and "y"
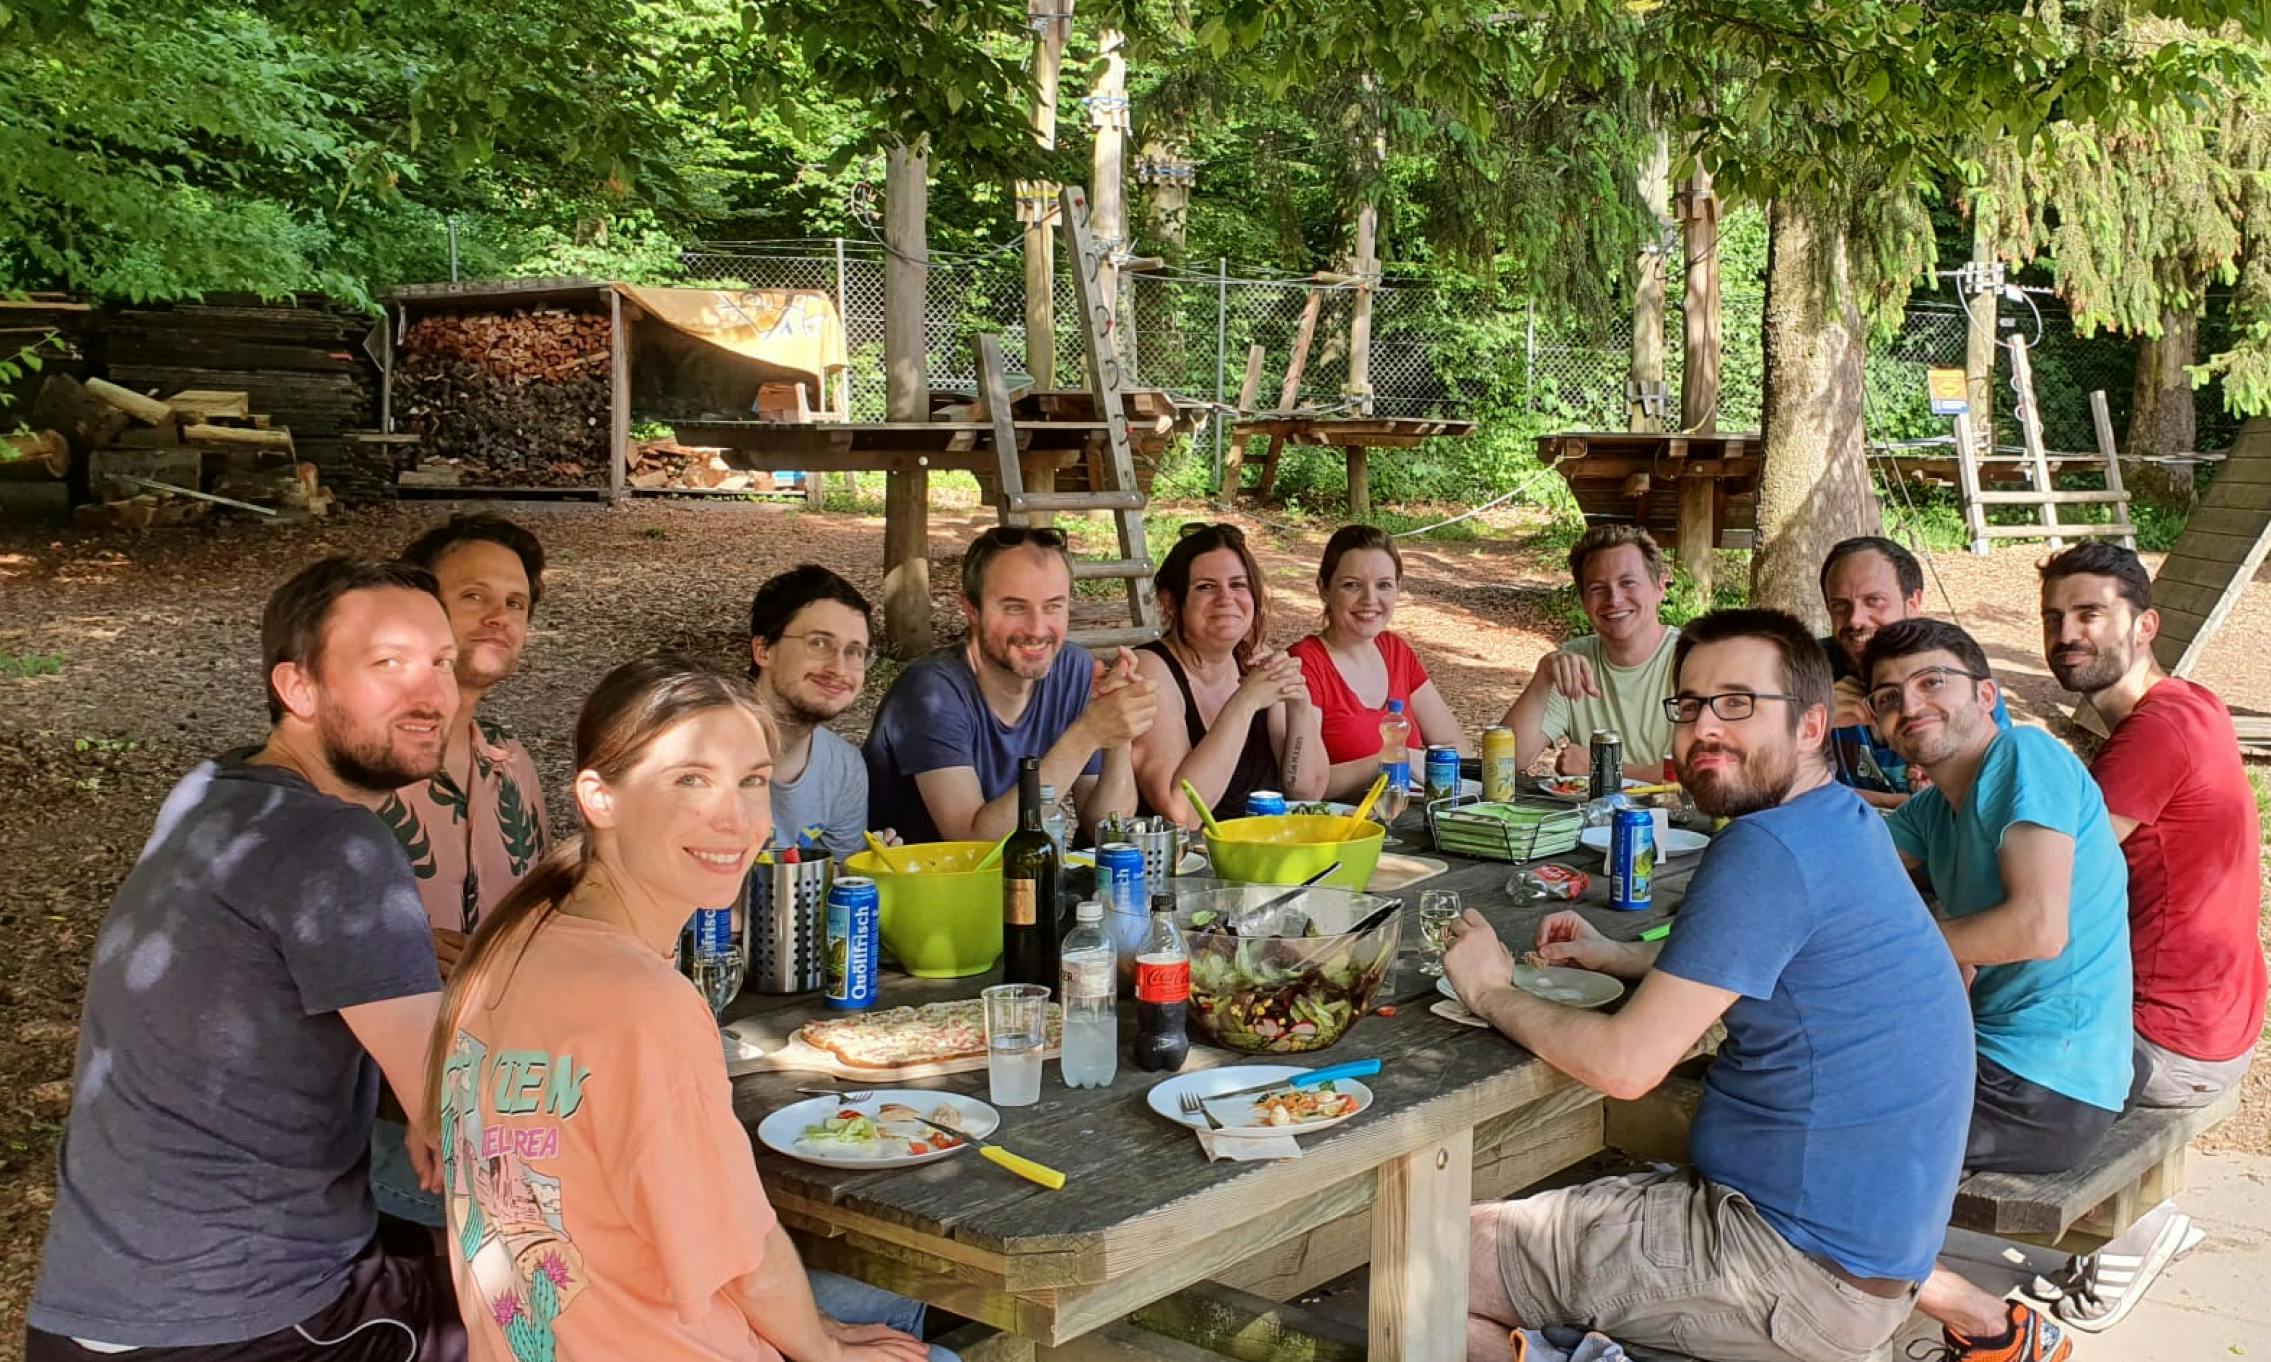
{"x": 1499, "y": 769}
{"x": 1120, "y": 879}
{"x": 852, "y": 943}
{"x": 1263, "y": 803}
{"x": 1442, "y": 772}
{"x": 1632, "y": 860}
{"x": 1608, "y": 765}
{"x": 712, "y": 929}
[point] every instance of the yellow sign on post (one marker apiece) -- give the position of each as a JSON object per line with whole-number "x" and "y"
{"x": 1950, "y": 394}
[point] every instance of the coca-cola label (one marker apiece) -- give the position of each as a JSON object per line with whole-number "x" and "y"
{"x": 1017, "y": 902}
{"x": 1163, "y": 981}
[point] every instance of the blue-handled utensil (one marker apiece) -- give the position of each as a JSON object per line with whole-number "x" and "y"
{"x": 1361, "y": 1068}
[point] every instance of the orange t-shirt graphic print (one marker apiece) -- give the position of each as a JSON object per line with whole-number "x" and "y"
{"x": 600, "y": 1193}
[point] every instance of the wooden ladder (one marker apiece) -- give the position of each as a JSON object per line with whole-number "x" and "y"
{"x": 2044, "y": 496}
{"x": 1123, "y": 495}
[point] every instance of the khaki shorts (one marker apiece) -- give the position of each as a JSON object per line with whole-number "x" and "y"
{"x": 1667, "y": 1261}
{"x": 2168, "y": 1079}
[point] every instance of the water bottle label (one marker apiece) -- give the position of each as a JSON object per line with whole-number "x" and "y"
{"x": 1019, "y": 898}
{"x": 1164, "y": 981}
{"x": 1087, "y": 978}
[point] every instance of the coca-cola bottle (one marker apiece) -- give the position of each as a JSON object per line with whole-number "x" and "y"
{"x": 1163, "y": 993}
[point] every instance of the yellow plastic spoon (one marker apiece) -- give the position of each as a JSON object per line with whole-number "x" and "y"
{"x": 1206, "y": 815}
{"x": 1364, "y": 808}
{"x": 883, "y": 854}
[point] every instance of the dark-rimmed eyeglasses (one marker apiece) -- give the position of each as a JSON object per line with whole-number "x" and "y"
{"x": 1732, "y": 706}
{"x": 1926, "y": 683}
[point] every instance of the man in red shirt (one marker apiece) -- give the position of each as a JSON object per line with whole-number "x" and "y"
{"x": 2181, "y": 805}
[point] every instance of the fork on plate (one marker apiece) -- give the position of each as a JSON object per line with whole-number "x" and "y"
{"x": 1194, "y": 1105}
{"x": 852, "y": 1097}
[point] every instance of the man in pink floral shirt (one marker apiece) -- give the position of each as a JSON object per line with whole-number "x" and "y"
{"x": 477, "y": 825}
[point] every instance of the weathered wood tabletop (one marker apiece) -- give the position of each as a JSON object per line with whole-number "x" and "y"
{"x": 1458, "y": 1113}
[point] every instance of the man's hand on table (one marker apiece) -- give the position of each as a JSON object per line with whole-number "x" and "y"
{"x": 872, "y": 1343}
{"x": 1476, "y": 962}
{"x": 1566, "y": 938}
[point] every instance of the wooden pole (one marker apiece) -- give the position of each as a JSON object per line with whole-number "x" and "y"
{"x": 1979, "y": 337}
{"x": 1107, "y": 188}
{"x": 618, "y": 398}
{"x": 1052, "y": 22}
{"x": 1699, "y": 360}
{"x": 906, "y": 498}
{"x": 1647, "y": 376}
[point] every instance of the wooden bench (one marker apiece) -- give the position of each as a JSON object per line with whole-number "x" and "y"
{"x": 2140, "y": 1165}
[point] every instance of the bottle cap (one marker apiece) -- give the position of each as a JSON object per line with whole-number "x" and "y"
{"x": 1088, "y": 911}
{"x": 1395, "y": 706}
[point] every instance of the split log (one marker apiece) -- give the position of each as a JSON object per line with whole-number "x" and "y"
{"x": 203, "y": 404}
{"x": 107, "y": 467}
{"x": 148, "y": 410}
{"x": 41, "y": 456}
{"x": 238, "y": 437}
{"x": 65, "y": 405}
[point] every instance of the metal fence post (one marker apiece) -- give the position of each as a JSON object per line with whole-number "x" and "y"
{"x": 1530, "y": 354}
{"x": 843, "y": 320}
{"x": 1221, "y": 353}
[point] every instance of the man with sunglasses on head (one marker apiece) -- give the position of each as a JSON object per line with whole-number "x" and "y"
{"x": 809, "y": 633}
{"x": 942, "y": 757}
{"x": 1868, "y": 582}
{"x": 2033, "y": 896}
{"x": 1825, "y": 1151}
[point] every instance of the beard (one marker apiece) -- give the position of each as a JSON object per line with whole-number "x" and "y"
{"x": 2093, "y": 670}
{"x": 372, "y": 761}
{"x": 812, "y": 714}
{"x": 1957, "y": 729}
{"x": 1000, "y": 654}
{"x": 1756, "y": 781}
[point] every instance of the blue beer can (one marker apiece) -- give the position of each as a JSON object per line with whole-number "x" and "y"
{"x": 1632, "y": 860}
{"x": 712, "y": 929}
{"x": 1119, "y": 878}
{"x": 1442, "y": 772}
{"x": 852, "y": 944}
{"x": 1263, "y": 803}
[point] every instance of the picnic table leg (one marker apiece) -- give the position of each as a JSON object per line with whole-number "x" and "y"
{"x": 1419, "y": 1254}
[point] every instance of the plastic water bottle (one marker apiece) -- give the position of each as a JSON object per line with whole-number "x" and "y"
{"x": 1090, "y": 988}
{"x": 1053, "y": 820}
{"x": 1395, "y": 762}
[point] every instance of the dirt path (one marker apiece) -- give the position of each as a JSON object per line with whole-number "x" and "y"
{"x": 154, "y": 646}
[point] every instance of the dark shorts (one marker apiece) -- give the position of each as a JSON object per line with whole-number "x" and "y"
{"x": 2018, "y": 1126}
{"x": 393, "y": 1310}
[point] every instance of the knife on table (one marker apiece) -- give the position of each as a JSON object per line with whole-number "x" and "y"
{"x": 1025, "y": 1168}
{"x": 1361, "y": 1068}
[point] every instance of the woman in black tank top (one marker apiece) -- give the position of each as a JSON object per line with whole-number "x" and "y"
{"x": 1246, "y": 720}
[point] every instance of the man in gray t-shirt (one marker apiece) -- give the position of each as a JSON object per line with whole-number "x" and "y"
{"x": 809, "y": 633}
{"x": 266, "y": 947}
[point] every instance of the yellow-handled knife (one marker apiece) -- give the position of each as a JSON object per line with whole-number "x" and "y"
{"x": 1016, "y": 1163}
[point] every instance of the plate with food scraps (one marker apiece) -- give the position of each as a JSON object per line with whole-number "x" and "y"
{"x": 1575, "y": 788}
{"x": 1670, "y": 842}
{"x": 1193, "y": 862}
{"x": 1564, "y": 984}
{"x": 1277, "y": 1111}
{"x": 881, "y": 1130}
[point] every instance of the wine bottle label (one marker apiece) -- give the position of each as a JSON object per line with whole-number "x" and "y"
{"x": 1018, "y": 900}
{"x": 1163, "y": 981}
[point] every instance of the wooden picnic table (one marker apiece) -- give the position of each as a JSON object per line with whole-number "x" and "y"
{"x": 1460, "y": 1113}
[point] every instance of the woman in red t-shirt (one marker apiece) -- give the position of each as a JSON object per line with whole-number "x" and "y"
{"x": 1356, "y": 664}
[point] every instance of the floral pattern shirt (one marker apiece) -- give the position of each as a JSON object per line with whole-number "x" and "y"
{"x": 468, "y": 848}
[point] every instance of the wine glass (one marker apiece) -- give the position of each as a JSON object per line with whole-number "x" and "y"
{"x": 1438, "y": 909}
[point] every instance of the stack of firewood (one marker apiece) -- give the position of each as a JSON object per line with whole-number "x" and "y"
{"x": 162, "y": 461}
{"x": 667, "y": 463}
{"x": 512, "y": 399}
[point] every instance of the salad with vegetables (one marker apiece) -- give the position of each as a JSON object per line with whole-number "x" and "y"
{"x": 894, "y": 1131}
{"x": 1284, "y": 994}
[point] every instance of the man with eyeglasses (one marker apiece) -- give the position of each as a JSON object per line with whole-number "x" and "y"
{"x": 1868, "y": 582}
{"x": 809, "y": 633}
{"x": 1826, "y": 1149}
{"x": 2033, "y": 896}
{"x": 942, "y": 757}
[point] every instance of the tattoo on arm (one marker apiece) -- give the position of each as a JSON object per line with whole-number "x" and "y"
{"x": 1293, "y": 761}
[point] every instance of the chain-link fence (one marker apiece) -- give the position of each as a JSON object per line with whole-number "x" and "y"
{"x": 1189, "y": 331}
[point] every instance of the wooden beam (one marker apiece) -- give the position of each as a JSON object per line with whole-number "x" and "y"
{"x": 1359, "y": 483}
{"x": 1698, "y": 529}
{"x": 618, "y": 400}
{"x": 148, "y": 410}
{"x": 1699, "y": 356}
{"x": 1248, "y": 1328}
{"x": 1234, "y": 461}
{"x": 1419, "y": 1254}
{"x": 906, "y": 498}
{"x": 1296, "y": 364}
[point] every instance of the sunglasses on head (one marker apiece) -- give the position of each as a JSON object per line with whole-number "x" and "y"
{"x": 1018, "y": 536}
{"x": 1230, "y": 533}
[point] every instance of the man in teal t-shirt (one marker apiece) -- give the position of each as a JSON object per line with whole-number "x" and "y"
{"x": 2034, "y": 895}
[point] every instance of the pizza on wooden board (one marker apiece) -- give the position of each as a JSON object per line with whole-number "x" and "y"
{"x": 904, "y": 1037}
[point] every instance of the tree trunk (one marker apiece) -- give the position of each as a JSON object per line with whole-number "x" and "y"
{"x": 1040, "y": 234}
{"x": 2161, "y": 416}
{"x": 1107, "y": 184}
{"x": 1699, "y": 354}
{"x": 1647, "y": 375}
{"x": 1814, "y": 477}
{"x": 1979, "y": 348}
{"x": 906, "y": 378}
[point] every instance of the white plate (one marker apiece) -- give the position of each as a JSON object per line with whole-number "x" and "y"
{"x": 780, "y": 1130}
{"x": 1577, "y": 796}
{"x": 1672, "y": 842}
{"x": 1564, "y": 984}
{"x": 1166, "y": 1098}
{"x": 1193, "y": 861}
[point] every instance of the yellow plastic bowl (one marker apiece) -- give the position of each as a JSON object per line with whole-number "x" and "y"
{"x": 941, "y": 919}
{"x": 1288, "y": 848}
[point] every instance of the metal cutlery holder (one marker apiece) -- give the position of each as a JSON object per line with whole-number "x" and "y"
{"x": 786, "y": 907}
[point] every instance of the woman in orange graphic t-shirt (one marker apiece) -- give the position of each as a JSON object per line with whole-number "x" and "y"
{"x": 603, "y": 1202}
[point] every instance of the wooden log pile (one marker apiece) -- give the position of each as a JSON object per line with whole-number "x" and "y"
{"x": 146, "y": 461}
{"x": 512, "y": 399}
{"x": 669, "y": 464}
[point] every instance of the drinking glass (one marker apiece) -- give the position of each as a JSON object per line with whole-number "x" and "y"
{"x": 1017, "y": 1017}
{"x": 1438, "y": 909}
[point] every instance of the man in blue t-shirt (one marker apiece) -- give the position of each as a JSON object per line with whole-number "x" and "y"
{"x": 1828, "y": 1143}
{"x": 1868, "y": 582}
{"x": 2034, "y": 896}
{"x": 943, "y": 754}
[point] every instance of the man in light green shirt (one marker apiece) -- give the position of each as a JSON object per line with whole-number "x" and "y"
{"x": 1615, "y": 678}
